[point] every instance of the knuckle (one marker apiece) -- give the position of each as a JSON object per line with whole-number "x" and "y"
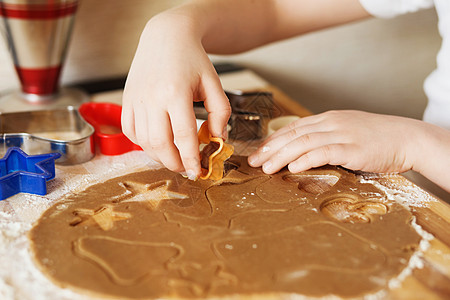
{"x": 183, "y": 133}
{"x": 306, "y": 161}
{"x": 151, "y": 155}
{"x": 331, "y": 115}
{"x": 158, "y": 144}
{"x": 145, "y": 145}
{"x": 305, "y": 140}
{"x": 143, "y": 140}
{"x": 335, "y": 119}
{"x": 170, "y": 90}
{"x": 291, "y": 126}
{"x": 226, "y": 107}
{"x": 173, "y": 92}
{"x": 325, "y": 155}
{"x": 309, "y": 158}
{"x": 222, "y": 111}
{"x": 325, "y": 152}
{"x": 318, "y": 157}
{"x": 292, "y": 134}
{"x": 226, "y": 110}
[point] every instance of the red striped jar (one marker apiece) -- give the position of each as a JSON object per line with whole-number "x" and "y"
{"x": 38, "y": 34}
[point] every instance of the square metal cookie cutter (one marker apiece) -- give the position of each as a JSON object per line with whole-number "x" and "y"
{"x": 60, "y": 130}
{"x": 251, "y": 112}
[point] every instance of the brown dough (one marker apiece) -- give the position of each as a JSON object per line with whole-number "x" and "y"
{"x": 155, "y": 234}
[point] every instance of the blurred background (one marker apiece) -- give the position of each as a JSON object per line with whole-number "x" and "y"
{"x": 374, "y": 65}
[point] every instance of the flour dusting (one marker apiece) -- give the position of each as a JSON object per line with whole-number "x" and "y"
{"x": 399, "y": 189}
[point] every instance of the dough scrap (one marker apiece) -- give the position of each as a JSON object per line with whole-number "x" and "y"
{"x": 155, "y": 234}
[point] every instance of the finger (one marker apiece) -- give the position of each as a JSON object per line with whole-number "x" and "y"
{"x": 184, "y": 128}
{"x": 127, "y": 122}
{"x": 305, "y": 121}
{"x": 162, "y": 142}
{"x": 297, "y": 148}
{"x": 270, "y": 147}
{"x": 156, "y": 139}
{"x": 329, "y": 154}
{"x": 141, "y": 129}
{"x": 216, "y": 104}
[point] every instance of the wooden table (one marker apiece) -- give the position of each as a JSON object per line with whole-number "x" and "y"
{"x": 430, "y": 282}
{"x": 433, "y": 280}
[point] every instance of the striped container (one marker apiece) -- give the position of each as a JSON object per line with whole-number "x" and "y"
{"x": 38, "y": 33}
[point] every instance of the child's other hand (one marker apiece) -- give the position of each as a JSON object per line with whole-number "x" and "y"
{"x": 171, "y": 70}
{"x": 353, "y": 139}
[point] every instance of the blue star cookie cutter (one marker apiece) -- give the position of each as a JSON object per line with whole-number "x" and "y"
{"x": 23, "y": 173}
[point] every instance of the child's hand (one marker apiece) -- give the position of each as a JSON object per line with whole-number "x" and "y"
{"x": 355, "y": 140}
{"x": 171, "y": 68}
{"x": 170, "y": 71}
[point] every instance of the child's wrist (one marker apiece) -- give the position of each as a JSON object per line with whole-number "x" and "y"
{"x": 417, "y": 148}
{"x": 172, "y": 23}
{"x": 427, "y": 147}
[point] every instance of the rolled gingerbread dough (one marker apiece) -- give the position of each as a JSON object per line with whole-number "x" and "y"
{"x": 155, "y": 234}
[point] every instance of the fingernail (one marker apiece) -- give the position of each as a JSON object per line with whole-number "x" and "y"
{"x": 252, "y": 160}
{"x": 266, "y": 166}
{"x": 191, "y": 175}
{"x": 265, "y": 149}
{"x": 183, "y": 174}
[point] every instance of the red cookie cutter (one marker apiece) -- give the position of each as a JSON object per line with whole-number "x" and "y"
{"x": 108, "y": 136}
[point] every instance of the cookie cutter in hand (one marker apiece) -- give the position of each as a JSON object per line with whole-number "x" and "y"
{"x": 215, "y": 161}
{"x": 60, "y": 130}
{"x": 23, "y": 173}
{"x": 106, "y": 120}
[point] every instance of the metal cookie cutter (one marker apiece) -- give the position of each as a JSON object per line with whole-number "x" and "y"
{"x": 106, "y": 119}
{"x": 23, "y": 173}
{"x": 251, "y": 111}
{"x": 60, "y": 130}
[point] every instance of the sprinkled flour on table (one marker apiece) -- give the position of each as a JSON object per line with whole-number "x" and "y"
{"x": 399, "y": 189}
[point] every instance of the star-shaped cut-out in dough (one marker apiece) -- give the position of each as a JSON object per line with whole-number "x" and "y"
{"x": 151, "y": 193}
{"x": 104, "y": 217}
